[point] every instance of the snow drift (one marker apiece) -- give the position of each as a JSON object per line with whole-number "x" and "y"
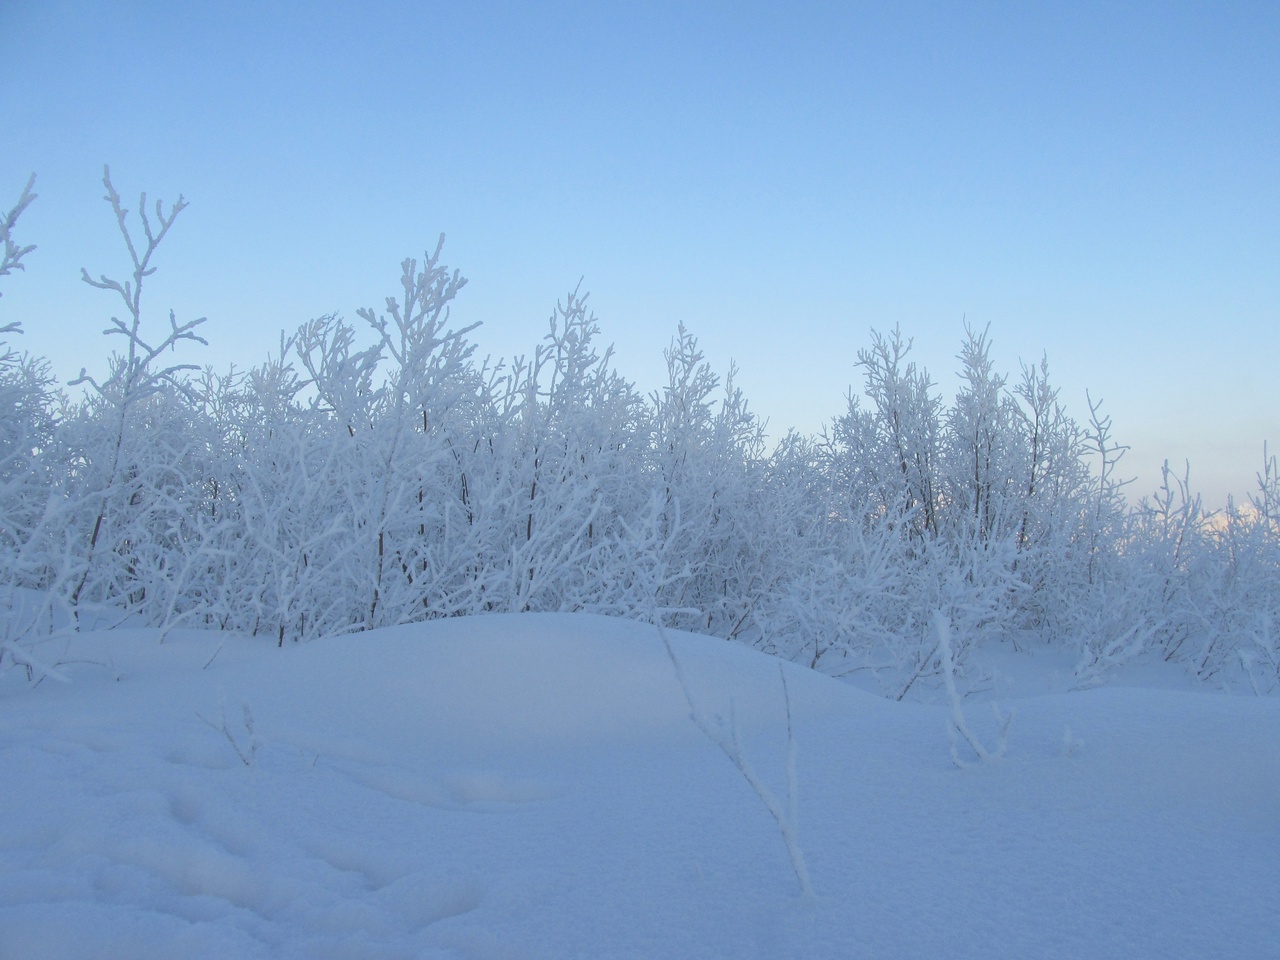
{"x": 534, "y": 786}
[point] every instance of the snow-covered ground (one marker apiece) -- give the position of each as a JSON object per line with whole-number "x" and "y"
{"x": 534, "y": 786}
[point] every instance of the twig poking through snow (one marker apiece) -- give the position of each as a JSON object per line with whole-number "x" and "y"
{"x": 214, "y": 657}
{"x": 958, "y": 724}
{"x": 31, "y": 663}
{"x": 248, "y": 752}
{"x": 731, "y": 746}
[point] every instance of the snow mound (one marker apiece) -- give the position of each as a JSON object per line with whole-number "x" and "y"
{"x": 534, "y": 786}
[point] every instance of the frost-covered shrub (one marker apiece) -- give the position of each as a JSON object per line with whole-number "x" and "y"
{"x": 376, "y": 473}
{"x": 26, "y": 429}
{"x": 1235, "y": 586}
{"x": 126, "y": 486}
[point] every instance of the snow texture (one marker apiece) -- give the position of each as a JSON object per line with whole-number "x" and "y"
{"x": 534, "y": 786}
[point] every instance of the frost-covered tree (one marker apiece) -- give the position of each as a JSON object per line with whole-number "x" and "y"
{"x": 413, "y": 410}
{"x": 710, "y": 469}
{"x": 25, "y": 397}
{"x": 126, "y": 439}
{"x": 26, "y": 430}
{"x": 576, "y": 428}
{"x": 904, "y": 437}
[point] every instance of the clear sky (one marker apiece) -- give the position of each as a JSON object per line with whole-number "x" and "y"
{"x": 1097, "y": 181}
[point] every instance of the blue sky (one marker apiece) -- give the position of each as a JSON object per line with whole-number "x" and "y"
{"x": 1098, "y": 182}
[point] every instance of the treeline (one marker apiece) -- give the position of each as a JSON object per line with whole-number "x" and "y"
{"x": 377, "y": 473}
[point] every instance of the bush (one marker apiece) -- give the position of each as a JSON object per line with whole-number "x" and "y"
{"x": 377, "y": 474}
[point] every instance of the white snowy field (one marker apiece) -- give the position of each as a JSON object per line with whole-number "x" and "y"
{"x": 534, "y": 786}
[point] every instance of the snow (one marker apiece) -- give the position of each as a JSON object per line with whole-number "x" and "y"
{"x": 534, "y": 786}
